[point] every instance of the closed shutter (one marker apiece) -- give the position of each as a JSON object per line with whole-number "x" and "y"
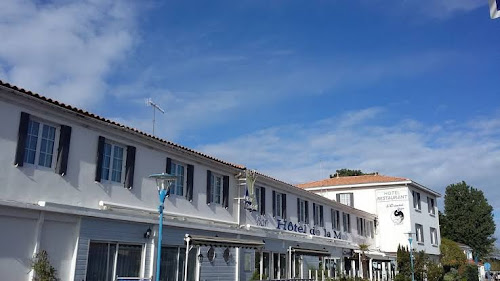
{"x": 307, "y": 211}
{"x": 225, "y": 192}
{"x": 262, "y": 201}
{"x": 189, "y": 187}
{"x": 130, "y": 167}
{"x": 321, "y": 221}
{"x": 314, "y": 214}
{"x": 98, "y": 166}
{"x": 283, "y": 198}
{"x": 209, "y": 187}
{"x": 168, "y": 166}
{"x": 63, "y": 150}
{"x": 21, "y": 139}
{"x": 274, "y": 203}
{"x": 298, "y": 210}
{"x": 338, "y": 197}
{"x": 352, "y": 199}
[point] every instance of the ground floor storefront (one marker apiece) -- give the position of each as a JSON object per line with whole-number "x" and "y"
{"x": 85, "y": 247}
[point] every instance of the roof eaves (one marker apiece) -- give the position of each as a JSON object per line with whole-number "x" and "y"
{"x": 111, "y": 122}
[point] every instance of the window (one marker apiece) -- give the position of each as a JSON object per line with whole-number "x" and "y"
{"x": 279, "y": 204}
{"x": 39, "y": 147}
{"x": 361, "y": 226}
{"x": 102, "y": 266}
{"x": 172, "y": 263}
{"x": 301, "y": 211}
{"x": 430, "y": 205}
{"x": 178, "y": 170}
{"x": 433, "y": 236}
{"x": 318, "y": 215}
{"x": 260, "y": 198}
{"x": 335, "y": 219}
{"x": 346, "y": 222}
{"x": 216, "y": 185}
{"x": 419, "y": 232}
{"x": 372, "y": 229}
{"x": 346, "y": 199}
{"x": 416, "y": 200}
{"x": 112, "y": 162}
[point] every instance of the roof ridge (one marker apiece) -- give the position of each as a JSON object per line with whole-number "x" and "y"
{"x": 109, "y": 121}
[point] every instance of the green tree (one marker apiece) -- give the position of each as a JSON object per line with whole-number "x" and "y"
{"x": 349, "y": 173}
{"x": 44, "y": 271}
{"x": 403, "y": 262}
{"x": 451, "y": 255}
{"x": 468, "y": 218}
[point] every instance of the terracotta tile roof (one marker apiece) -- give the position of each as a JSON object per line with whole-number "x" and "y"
{"x": 351, "y": 181}
{"x": 111, "y": 122}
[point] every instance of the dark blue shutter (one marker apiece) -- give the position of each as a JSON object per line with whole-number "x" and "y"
{"x": 21, "y": 139}
{"x": 168, "y": 166}
{"x": 168, "y": 170}
{"x": 189, "y": 187}
{"x": 63, "y": 150}
{"x": 321, "y": 221}
{"x": 209, "y": 187}
{"x": 130, "y": 167}
{"x": 283, "y": 211}
{"x": 298, "y": 210}
{"x": 98, "y": 166}
{"x": 314, "y": 214}
{"x": 262, "y": 201}
{"x": 307, "y": 211}
{"x": 225, "y": 192}
{"x": 274, "y": 203}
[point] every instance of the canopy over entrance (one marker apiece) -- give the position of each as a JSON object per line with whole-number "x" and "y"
{"x": 223, "y": 242}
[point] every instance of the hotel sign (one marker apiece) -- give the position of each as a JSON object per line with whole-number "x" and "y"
{"x": 392, "y": 195}
{"x": 305, "y": 229}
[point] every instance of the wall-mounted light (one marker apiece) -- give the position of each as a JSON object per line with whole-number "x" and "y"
{"x": 226, "y": 255}
{"x": 147, "y": 234}
{"x": 200, "y": 258}
{"x": 211, "y": 254}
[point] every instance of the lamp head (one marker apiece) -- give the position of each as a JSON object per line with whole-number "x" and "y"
{"x": 163, "y": 180}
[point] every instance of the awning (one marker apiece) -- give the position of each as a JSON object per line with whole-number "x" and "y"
{"x": 223, "y": 242}
{"x": 310, "y": 252}
{"x": 378, "y": 257}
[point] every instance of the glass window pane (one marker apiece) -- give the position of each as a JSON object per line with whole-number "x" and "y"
{"x": 31, "y": 142}
{"x": 106, "y": 160}
{"x": 116, "y": 174}
{"x": 168, "y": 271}
{"x": 47, "y": 146}
{"x": 129, "y": 260}
{"x": 182, "y": 260}
{"x": 97, "y": 263}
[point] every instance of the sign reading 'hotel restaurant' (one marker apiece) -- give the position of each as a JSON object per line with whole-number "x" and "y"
{"x": 391, "y": 195}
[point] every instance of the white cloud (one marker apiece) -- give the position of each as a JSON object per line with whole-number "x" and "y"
{"x": 431, "y": 155}
{"x": 64, "y": 49}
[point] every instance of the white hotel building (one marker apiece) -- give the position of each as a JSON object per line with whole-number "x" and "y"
{"x": 76, "y": 185}
{"x": 402, "y": 207}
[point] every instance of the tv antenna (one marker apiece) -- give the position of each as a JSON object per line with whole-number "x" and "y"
{"x": 149, "y": 102}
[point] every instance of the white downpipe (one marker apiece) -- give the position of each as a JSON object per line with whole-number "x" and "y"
{"x": 188, "y": 239}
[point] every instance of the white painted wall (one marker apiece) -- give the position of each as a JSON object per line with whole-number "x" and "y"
{"x": 78, "y": 187}
{"x": 389, "y": 233}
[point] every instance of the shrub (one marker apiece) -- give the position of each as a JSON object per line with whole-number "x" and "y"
{"x": 44, "y": 271}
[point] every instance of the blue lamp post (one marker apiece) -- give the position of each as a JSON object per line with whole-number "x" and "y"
{"x": 410, "y": 239}
{"x": 163, "y": 182}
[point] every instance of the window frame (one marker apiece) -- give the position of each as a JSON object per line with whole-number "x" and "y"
{"x": 417, "y": 205}
{"x": 434, "y": 236}
{"x": 111, "y": 162}
{"x": 301, "y": 206}
{"x": 114, "y": 257}
{"x": 346, "y": 222}
{"x": 335, "y": 216}
{"x": 55, "y": 147}
{"x": 318, "y": 219}
{"x": 350, "y": 198}
{"x": 278, "y": 204}
{"x": 419, "y": 233}
{"x": 173, "y": 191}
{"x": 431, "y": 209}
{"x": 221, "y": 190}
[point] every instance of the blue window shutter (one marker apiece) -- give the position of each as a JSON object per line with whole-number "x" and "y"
{"x": 225, "y": 192}
{"x": 209, "y": 187}
{"x": 130, "y": 167}
{"x": 283, "y": 198}
{"x": 314, "y": 214}
{"x": 63, "y": 150}
{"x": 21, "y": 139}
{"x": 100, "y": 151}
{"x": 274, "y": 203}
{"x": 262, "y": 201}
{"x": 307, "y": 212}
{"x": 168, "y": 166}
{"x": 189, "y": 187}
{"x": 321, "y": 221}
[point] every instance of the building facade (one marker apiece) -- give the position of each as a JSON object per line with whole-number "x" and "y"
{"x": 77, "y": 186}
{"x": 403, "y": 207}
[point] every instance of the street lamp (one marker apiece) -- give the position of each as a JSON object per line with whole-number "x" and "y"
{"x": 410, "y": 239}
{"x": 163, "y": 182}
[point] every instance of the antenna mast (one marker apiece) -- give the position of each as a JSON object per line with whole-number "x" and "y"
{"x": 150, "y": 102}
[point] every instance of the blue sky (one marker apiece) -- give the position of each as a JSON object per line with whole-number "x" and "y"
{"x": 294, "y": 89}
